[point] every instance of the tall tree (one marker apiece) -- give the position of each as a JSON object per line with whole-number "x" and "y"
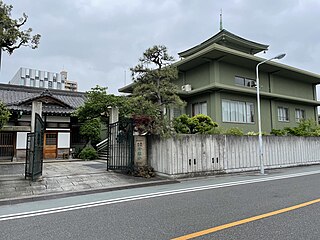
{"x": 154, "y": 76}
{"x": 12, "y": 36}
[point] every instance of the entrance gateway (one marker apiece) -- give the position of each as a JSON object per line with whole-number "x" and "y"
{"x": 120, "y": 145}
{"x": 117, "y": 148}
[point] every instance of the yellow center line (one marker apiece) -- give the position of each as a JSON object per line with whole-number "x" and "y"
{"x": 246, "y": 220}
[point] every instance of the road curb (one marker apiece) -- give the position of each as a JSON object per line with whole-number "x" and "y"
{"x": 12, "y": 201}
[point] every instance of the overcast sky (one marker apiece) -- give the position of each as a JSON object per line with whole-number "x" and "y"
{"x": 97, "y": 41}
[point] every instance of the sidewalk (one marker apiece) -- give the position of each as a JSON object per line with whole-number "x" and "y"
{"x": 60, "y": 179}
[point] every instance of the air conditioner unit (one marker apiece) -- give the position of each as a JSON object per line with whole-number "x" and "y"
{"x": 186, "y": 88}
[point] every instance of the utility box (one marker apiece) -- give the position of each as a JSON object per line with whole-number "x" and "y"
{"x": 140, "y": 151}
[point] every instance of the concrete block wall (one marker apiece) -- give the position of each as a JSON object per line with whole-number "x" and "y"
{"x": 201, "y": 154}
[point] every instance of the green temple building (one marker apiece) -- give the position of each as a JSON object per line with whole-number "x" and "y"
{"x": 218, "y": 78}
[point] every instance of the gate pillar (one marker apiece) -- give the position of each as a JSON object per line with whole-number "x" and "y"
{"x": 36, "y": 108}
{"x": 140, "y": 151}
{"x": 113, "y": 115}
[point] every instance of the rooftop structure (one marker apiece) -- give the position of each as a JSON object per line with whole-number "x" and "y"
{"x": 37, "y": 78}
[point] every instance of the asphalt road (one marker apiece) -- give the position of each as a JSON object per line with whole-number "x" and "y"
{"x": 174, "y": 212}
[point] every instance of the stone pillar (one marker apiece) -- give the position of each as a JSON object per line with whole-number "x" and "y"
{"x": 140, "y": 151}
{"x": 113, "y": 114}
{"x": 36, "y": 108}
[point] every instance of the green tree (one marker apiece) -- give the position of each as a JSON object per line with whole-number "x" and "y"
{"x": 4, "y": 115}
{"x": 96, "y": 104}
{"x": 11, "y": 35}
{"x": 153, "y": 77}
{"x": 94, "y": 112}
{"x": 91, "y": 130}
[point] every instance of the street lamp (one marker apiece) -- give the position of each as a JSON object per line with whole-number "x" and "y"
{"x": 258, "y": 106}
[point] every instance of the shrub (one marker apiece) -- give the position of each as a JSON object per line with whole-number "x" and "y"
{"x": 201, "y": 123}
{"x": 256, "y": 133}
{"x": 143, "y": 124}
{"x": 88, "y": 153}
{"x": 234, "y": 131}
{"x": 181, "y": 124}
{"x": 278, "y": 132}
{"x": 252, "y": 133}
{"x": 305, "y": 128}
{"x": 216, "y": 131}
{"x": 143, "y": 171}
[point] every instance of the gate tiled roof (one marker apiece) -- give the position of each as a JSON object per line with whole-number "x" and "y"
{"x": 20, "y": 97}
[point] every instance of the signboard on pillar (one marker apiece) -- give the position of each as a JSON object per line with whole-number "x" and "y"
{"x": 140, "y": 151}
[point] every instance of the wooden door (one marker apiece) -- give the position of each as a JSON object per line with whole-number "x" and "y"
{"x": 50, "y": 145}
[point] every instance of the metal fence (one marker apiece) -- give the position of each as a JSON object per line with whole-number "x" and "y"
{"x": 120, "y": 141}
{"x": 6, "y": 145}
{"x": 34, "y": 151}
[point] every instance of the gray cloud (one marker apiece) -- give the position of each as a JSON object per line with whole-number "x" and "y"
{"x": 96, "y": 41}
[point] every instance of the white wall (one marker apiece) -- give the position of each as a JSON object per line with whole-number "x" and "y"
{"x": 190, "y": 154}
{"x": 63, "y": 140}
{"x": 21, "y": 142}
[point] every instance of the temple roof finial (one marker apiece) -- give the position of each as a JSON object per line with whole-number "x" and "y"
{"x": 221, "y": 20}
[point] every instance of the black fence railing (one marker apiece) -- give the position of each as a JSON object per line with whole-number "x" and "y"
{"x": 120, "y": 140}
{"x": 6, "y": 145}
{"x": 34, "y": 152}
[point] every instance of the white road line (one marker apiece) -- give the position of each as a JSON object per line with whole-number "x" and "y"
{"x": 147, "y": 196}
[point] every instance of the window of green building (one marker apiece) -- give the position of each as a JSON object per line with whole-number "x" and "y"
{"x": 244, "y": 82}
{"x": 300, "y": 114}
{"x": 237, "y": 111}
{"x": 199, "y": 108}
{"x": 283, "y": 114}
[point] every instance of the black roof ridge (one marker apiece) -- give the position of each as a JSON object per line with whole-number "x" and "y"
{"x": 45, "y": 93}
{"x": 13, "y": 87}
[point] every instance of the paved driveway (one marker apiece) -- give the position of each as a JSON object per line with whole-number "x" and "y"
{"x": 63, "y": 177}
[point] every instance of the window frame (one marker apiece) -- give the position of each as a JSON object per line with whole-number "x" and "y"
{"x": 281, "y": 110}
{"x": 242, "y": 112}
{"x": 299, "y": 118}
{"x": 201, "y": 106}
{"x": 247, "y": 82}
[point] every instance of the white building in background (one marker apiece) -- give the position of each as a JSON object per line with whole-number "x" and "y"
{"x": 69, "y": 85}
{"x": 37, "y": 78}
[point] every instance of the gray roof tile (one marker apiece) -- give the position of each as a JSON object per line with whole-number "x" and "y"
{"x": 13, "y": 96}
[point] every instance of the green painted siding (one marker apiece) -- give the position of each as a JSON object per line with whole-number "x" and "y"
{"x": 229, "y": 71}
{"x": 198, "y": 77}
{"x": 309, "y": 114}
{"x": 180, "y": 80}
{"x": 199, "y": 99}
{"x": 292, "y": 88}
